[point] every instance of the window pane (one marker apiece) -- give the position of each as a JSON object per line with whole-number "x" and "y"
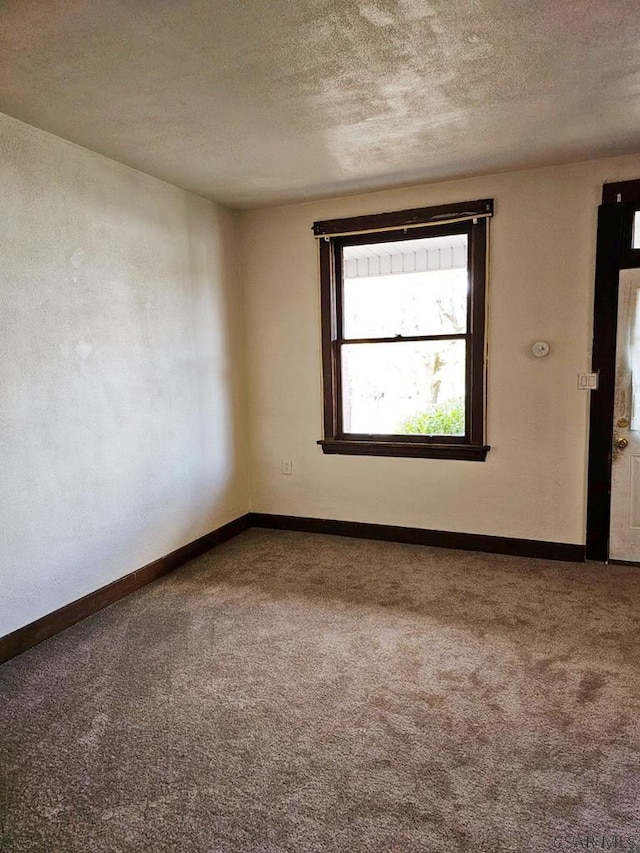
{"x": 635, "y": 240}
{"x": 405, "y": 388}
{"x": 409, "y": 287}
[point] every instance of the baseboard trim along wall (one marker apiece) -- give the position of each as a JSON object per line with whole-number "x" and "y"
{"x": 30, "y": 635}
{"x": 420, "y": 536}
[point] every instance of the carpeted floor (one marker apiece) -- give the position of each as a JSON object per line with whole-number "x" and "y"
{"x": 293, "y": 693}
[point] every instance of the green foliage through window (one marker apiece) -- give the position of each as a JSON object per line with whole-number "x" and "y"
{"x": 447, "y": 419}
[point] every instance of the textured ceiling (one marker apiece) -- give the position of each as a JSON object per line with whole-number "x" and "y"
{"x": 252, "y": 102}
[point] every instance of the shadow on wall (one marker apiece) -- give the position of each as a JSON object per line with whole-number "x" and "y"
{"x": 222, "y": 424}
{"x": 187, "y": 472}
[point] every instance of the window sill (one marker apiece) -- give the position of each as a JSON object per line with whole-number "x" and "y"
{"x": 428, "y": 450}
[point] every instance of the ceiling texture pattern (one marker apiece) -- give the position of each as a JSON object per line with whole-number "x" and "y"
{"x": 256, "y": 102}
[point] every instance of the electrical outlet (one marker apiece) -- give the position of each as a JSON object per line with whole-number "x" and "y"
{"x": 287, "y": 466}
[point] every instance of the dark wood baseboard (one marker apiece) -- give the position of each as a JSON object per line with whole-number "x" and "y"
{"x": 419, "y": 536}
{"x": 30, "y": 635}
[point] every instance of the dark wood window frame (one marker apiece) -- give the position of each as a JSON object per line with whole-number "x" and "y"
{"x": 470, "y": 218}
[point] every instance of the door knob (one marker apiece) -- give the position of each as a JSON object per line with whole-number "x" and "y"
{"x": 620, "y": 442}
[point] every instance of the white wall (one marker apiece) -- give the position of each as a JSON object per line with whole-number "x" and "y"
{"x": 533, "y": 484}
{"x": 121, "y": 386}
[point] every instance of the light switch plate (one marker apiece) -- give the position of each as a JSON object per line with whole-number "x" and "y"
{"x": 587, "y": 381}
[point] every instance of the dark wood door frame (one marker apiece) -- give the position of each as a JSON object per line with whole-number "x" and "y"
{"x": 613, "y": 253}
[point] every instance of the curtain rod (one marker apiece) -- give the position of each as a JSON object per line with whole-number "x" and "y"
{"x": 445, "y": 220}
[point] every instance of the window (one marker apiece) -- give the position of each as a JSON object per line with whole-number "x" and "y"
{"x": 630, "y": 233}
{"x": 403, "y": 320}
{"x": 626, "y": 196}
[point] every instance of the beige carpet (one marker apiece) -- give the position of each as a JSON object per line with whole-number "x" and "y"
{"x": 292, "y": 693}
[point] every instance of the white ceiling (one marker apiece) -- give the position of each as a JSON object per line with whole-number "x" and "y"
{"x": 424, "y": 254}
{"x": 253, "y": 102}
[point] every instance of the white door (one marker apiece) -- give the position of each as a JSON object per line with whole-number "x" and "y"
{"x": 624, "y": 543}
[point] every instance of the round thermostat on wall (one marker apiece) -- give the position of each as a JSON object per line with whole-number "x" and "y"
{"x": 540, "y": 349}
